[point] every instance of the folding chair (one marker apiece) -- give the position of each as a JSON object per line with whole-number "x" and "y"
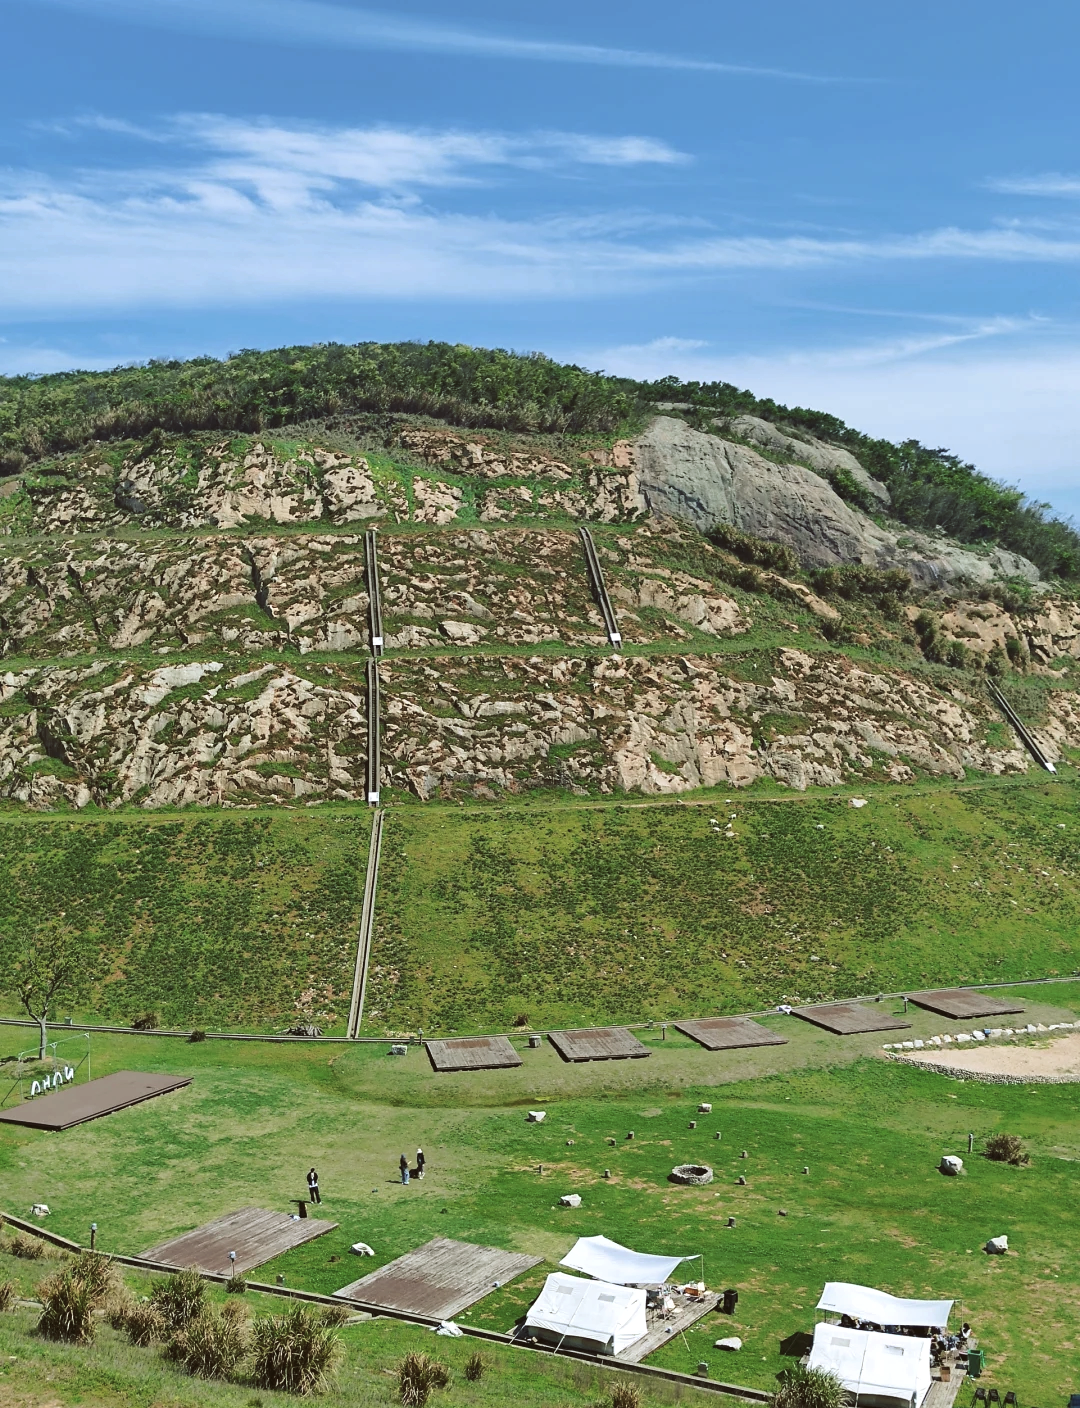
{"x": 980, "y": 1396}
{"x": 992, "y": 1396}
{"x": 1011, "y": 1400}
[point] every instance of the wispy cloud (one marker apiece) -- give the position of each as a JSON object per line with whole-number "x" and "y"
{"x": 247, "y": 212}
{"x": 1048, "y": 183}
{"x": 311, "y": 22}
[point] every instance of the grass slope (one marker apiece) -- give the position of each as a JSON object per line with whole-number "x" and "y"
{"x": 872, "y": 1209}
{"x": 636, "y": 913}
{"x": 246, "y": 920}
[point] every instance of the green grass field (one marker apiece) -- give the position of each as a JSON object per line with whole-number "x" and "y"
{"x": 228, "y": 921}
{"x": 873, "y": 1208}
{"x": 631, "y": 913}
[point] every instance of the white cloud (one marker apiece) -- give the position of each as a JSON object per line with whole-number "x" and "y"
{"x": 313, "y": 23}
{"x": 1049, "y": 183}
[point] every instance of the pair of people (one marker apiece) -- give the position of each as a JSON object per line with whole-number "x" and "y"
{"x": 403, "y": 1164}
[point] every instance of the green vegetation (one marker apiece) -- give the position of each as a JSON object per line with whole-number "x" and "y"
{"x": 256, "y": 391}
{"x": 219, "y": 920}
{"x": 632, "y": 913}
{"x": 873, "y": 1208}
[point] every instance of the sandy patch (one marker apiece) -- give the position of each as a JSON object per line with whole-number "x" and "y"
{"x": 1060, "y": 1057}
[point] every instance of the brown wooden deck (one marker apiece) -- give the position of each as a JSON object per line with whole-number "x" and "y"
{"x": 847, "y": 1018}
{"x": 439, "y": 1279}
{"x": 472, "y": 1053}
{"x": 688, "y": 1310}
{"x": 944, "y": 1395}
{"x": 963, "y": 1003}
{"x": 727, "y": 1033}
{"x": 75, "y": 1104}
{"x": 254, "y": 1234}
{"x": 598, "y": 1044}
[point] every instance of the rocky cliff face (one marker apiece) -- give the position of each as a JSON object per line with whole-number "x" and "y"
{"x": 705, "y": 480}
{"x": 189, "y": 626}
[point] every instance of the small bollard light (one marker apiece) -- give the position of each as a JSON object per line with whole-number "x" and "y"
{"x": 693, "y": 1124}
{"x": 731, "y": 1222}
{"x": 971, "y": 1142}
{"x": 93, "y": 1235}
{"x": 806, "y": 1168}
{"x": 607, "y": 1173}
{"x": 280, "y": 1279}
{"x": 703, "y": 1370}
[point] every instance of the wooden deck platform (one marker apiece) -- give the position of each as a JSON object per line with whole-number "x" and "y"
{"x": 728, "y": 1033}
{"x": 76, "y": 1104}
{"x": 688, "y": 1310}
{"x": 944, "y": 1395}
{"x": 598, "y": 1044}
{"x": 963, "y": 1003}
{"x": 440, "y": 1279}
{"x": 472, "y": 1053}
{"x": 848, "y": 1018}
{"x": 254, "y": 1234}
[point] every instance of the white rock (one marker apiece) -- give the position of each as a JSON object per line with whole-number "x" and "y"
{"x": 570, "y": 1200}
{"x": 732, "y": 1342}
{"x": 40, "y": 1210}
{"x": 857, "y": 802}
{"x": 536, "y": 1116}
{"x": 951, "y": 1164}
{"x": 998, "y": 1246}
{"x": 362, "y": 1249}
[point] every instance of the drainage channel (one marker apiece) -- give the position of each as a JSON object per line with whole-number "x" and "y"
{"x": 371, "y": 572}
{"x": 1019, "y": 726}
{"x": 374, "y": 765}
{"x": 367, "y": 924}
{"x": 600, "y": 591}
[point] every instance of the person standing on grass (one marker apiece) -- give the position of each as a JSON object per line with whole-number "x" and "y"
{"x": 403, "y": 1164}
{"x": 313, "y": 1187}
{"x": 419, "y": 1163}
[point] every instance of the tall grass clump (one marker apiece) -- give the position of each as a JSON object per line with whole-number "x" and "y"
{"x": 67, "y": 1308}
{"x": 179, "y": 1298}
{"x": 801, "y": 1387}
{"x": 475, "y": 1367}
{"x": 213, "y": 1344}
{"x": 626, "y": 1395}
{"x": 418, "y": 1376}
{"x": 296, "y": 1351}
{"x": 9, "y": 1294}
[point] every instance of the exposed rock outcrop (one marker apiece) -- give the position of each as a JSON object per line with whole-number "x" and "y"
{"x": 815, "y": 454}
{"x": 705, "y": 480}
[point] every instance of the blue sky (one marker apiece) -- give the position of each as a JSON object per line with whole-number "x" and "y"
{"x": 871, "y": 210}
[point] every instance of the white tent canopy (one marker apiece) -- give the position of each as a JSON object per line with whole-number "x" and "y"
{"x": 880, "y": 1308}
{"x": 578, "y": 1314}
{"x": 607, "y": 1261}
{"x": 883, "y": 1371}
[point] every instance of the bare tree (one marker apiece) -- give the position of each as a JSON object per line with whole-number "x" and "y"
{"x": 44, "y": 971}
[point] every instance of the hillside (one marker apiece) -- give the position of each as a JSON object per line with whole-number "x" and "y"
{"x": 185, "y": 618}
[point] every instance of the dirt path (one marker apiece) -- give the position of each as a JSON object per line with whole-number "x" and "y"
{"x": 1060, "y": 1057}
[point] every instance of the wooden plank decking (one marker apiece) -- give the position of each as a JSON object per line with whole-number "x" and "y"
{"x": 728, "y": 1033}
{"x": 963, "y": 1003}
{"x": 440, "y": 1279}
{"x": 472, "y": 1053}
{"x": 944, "y": 1395}
{"x": 598, "y": 1044}
{"x": 75, "y": 1104}
{"x": 254, "y": 1234}
{"x": 689, "y": 1310}
{"x": 847, "y": 1018}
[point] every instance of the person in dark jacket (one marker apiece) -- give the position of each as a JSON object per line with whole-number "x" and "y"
{"x": 403, "y": 1164}
{"x": 313, "y": 1187}
{"x": 420, "y": 1163}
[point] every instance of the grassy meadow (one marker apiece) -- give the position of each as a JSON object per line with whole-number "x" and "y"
{"x": 872, "y": 1208}
{"x": 630, "y": 912}
{"x": 214, "y": 920}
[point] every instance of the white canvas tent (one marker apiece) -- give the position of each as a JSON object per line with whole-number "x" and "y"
{"x": 864, "y": 1303}
{"x": 572, "y": 1313}
{"x": 607, "y": 1261}
{"x": 882, "y": 1371}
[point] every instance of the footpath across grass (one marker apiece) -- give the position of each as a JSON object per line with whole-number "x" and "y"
{"x": 633, "y": 913}
{"x": 872, "y": 1208}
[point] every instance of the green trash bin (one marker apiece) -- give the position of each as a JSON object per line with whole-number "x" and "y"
{"x": 976, "y": 1363}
